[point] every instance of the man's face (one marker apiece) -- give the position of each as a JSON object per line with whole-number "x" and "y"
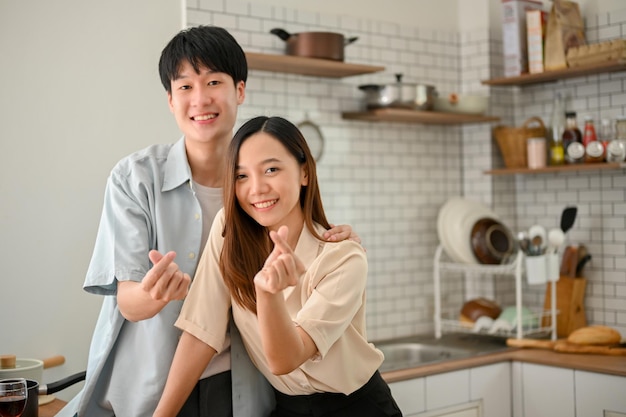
{"x": 205, "y": 104}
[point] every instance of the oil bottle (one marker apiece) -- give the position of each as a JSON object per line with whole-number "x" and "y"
{"x": 557, "y": 127}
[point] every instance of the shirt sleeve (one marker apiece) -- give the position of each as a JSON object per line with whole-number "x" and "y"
{"x": 205, "y": 312}
{"x": 333, "y": 293}
{"x": 124, "y": 237}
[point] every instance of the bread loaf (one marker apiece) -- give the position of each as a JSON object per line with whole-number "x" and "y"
{"x": 478, "y": 307}
{"x": 595, "y": 335}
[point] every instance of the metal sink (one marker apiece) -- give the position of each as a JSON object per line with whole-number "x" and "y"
{"x": 415, "y": 351}
{"x": 410, "y": 355}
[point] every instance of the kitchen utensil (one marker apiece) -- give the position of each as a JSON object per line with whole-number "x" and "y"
{"x": 556, "y": 237}
{"x": 538, "y": 239}
{"x": 399, "y": 94}
{"x": 568, "y": 217}
{"x": 569, "y": 261}
{"x": 464, "y": 104}
{"x": 13, "y": 367}
{"x": 35, "y": 390}
{"x": 570, "y": 304}
{"x": 523, "y": 241}
{"x": 581, "y": 265}
{"x": 492, "y": 242}
{"x": 473, "y": 309}
{"x": 531, "y": 343}
{"x": 313, "y": 136}
{"x": 323, "y": 45}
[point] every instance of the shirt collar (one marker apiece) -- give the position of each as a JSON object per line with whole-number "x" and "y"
{"x": 177, "y": 170}
{"x": 309, "y": 246}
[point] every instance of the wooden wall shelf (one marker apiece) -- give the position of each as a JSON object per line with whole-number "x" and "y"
{"x": 416, "y": 116}
{"x": 581, "y": 71}
{"x": 307, "y": 66}
{"x": 563, "y": 168}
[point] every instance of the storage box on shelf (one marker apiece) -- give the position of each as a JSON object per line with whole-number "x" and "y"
{"x": 442, "y": 264}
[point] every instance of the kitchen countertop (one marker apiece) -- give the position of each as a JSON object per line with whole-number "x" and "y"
{"x": 51, "y": 409}
{"x": 613, "y": 365}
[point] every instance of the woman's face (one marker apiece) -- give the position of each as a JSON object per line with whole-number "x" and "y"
{"x": 268, "y": 180}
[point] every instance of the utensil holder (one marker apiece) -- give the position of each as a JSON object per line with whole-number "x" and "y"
{"x": 542, "y": 268}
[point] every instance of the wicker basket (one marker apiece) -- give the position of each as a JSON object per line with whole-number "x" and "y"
{"x": 512, "y": 141}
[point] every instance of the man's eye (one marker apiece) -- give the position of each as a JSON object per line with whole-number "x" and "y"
{"x": 215, "y": 82}
{"x": 184, "y": 87}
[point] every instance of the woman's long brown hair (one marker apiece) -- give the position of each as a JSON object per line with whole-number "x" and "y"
{"x": 246, "y": 243}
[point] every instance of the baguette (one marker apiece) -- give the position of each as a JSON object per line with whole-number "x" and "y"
{"x": 595, "y": 336}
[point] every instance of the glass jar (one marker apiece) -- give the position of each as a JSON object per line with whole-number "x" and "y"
{"x": 536, "y": 152}
{"x": 616, "y": 149}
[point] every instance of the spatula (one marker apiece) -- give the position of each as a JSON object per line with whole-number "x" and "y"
{"x": 568, "y": 217}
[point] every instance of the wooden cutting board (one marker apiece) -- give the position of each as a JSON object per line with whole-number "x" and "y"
{"x": 564, "y": 346}
{"x": 570, "y": 303}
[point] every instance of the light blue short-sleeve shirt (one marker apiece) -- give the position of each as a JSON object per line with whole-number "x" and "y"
{"x": 149, "y": 204}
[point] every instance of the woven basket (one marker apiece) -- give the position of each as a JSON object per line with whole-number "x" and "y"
{"x": 512, "y": 141}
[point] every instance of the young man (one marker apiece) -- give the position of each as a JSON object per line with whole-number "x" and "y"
{"x": 158, "y": 208}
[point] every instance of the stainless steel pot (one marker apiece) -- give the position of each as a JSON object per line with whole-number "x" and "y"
{"x": 399, "y": 94}
{"x": 323, "y": 45}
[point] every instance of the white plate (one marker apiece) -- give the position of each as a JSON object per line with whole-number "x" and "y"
{"x": 454, "y": 227}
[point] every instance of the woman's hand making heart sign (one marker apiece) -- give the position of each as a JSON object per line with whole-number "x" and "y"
{"x": 282, "y": 268}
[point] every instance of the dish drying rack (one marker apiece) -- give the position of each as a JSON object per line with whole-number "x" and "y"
{"x": 522, "y": 328}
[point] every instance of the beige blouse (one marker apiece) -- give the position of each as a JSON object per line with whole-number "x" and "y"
{"x": 328, "y": 303}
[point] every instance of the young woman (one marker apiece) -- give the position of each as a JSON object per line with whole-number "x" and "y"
{"x": 298, "y": 301}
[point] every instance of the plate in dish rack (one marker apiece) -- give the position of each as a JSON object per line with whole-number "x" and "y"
{"x": 454, "y": 227}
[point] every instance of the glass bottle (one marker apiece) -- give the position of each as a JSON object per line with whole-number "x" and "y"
{"x": 572, "y": 134}
{"x": 606, "y": 134}
{"x": 615, "y": 150}
{"x": 589, "y": 134}
{"x": 557, "y": 126}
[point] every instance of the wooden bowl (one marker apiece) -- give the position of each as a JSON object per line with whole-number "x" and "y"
{"x": 492, "y": 242}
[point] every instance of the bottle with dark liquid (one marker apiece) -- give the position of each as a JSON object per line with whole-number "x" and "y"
{"x": 572, "y": 134}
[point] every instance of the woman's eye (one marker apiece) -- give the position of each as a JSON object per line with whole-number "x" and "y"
{"x": 239, "y": 177}
{"x": 271, "y": 170}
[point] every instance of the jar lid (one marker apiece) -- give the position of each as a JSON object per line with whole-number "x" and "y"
{"x": 594, "y": 149}
{"x": 575, "y": 150}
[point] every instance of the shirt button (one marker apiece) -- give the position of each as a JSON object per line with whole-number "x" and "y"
{"x": 192, "y": 255}
{"x": 197, "y": 216}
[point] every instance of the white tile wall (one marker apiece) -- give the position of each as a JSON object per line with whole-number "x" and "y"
{"x": 388, "y": 180}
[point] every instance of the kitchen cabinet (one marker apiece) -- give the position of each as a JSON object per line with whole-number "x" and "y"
{"x": 540, "y": 390}
{"x": 307, "y": 66}
{"x": 597, "y": 393}
{"x": 417, "y": 116}
{"x": 544, "y": 391}
{"x": 480, "y": 391}
{"x": 410, "y": 395}
{"x": 556, "y": 75}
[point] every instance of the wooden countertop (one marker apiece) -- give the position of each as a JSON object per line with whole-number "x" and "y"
{"x": 51, "y": 409}
{"x": 613, "y": 365}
